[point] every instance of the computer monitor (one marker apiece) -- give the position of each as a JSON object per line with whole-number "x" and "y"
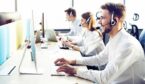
{"x": 28, "y": 64}
{"x": 42, "y": 23}
{"x": 32, "y": 40}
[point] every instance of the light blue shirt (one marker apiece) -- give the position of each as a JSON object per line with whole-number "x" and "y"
{"x": 75, "y": 28}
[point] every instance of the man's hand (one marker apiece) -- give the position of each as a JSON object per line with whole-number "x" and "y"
{"x": 62, "y": 61}
{"x": 66, "y": 43}
{"x": 67, "y": 69}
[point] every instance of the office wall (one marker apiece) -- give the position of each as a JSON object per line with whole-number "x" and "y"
{"x": 7, "y": 5}
{"x": 136, "y": 6}
{"x": 56, "y": 18}
{"x": 91, "y": 5}
{"x": 53, "y": 10}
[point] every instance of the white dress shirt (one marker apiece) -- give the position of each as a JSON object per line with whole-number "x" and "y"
{"x": 91, "y": 43}
{"x": 75, "y": 28}
{"x": 125, "y": 62}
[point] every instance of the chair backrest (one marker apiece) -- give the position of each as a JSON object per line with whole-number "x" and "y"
{"x": 134, "y": 31}
{"x": 142, "y": 39}
{"x": 51, "y": 35}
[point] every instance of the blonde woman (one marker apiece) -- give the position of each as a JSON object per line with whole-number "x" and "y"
{"x": 90, "y": 40}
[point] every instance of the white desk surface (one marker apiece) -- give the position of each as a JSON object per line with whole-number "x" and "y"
{"x": 45, "y": 60}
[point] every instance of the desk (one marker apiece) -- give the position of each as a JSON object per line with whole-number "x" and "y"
{"x": 45, "y": 58}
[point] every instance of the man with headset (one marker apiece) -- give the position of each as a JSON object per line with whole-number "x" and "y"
{"x": 75, "y": 28}
{"x": 123, "y": 53}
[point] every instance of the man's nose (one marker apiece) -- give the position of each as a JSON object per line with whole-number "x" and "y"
{"x": 99, "y": 21}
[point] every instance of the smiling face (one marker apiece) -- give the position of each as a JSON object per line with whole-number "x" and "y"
{"x": 105, "y": 20}
{"x": 83, "y": 22}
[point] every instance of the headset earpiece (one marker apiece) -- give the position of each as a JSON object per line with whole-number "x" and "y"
{"x": 88, "y": 20}
{"x": 113, "y": 21}
{"x": 70, "y": 14}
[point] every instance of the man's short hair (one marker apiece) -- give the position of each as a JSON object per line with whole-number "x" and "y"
{"x": 71, "y": 11}
{"x": 118, "y": 9}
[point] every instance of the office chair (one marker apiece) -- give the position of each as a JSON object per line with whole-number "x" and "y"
{"x": 134, "y": 31}
{"x": 142, "y": 39}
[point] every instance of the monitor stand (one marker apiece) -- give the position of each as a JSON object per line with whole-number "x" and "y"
{"x": 27, "y": 66}
{"x": 44, "y": 44}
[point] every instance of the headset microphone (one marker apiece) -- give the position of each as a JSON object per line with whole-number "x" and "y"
{"x": 87, "y": 21}
{"x": 81, "y": 24}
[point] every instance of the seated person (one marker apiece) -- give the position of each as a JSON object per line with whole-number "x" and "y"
{"x": 142, "y": 39}
{"x": 91, "y": 42}
{"x": 123, "y": 53}
{"x": 75, "y": 28}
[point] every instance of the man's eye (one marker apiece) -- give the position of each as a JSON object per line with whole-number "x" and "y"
{"x": 102, "y": 17}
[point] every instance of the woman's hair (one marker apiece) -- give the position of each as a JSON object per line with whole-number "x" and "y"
{"x": 89, "y": 20}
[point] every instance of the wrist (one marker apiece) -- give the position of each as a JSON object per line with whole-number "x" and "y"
{"x": 72, "y": 62}
{"x": 72, "y": 46}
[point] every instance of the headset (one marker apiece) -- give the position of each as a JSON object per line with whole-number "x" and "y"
{"x": 88, "y": 20}
{"x": 113, "y": 21}
{"x": 70, "y": 14}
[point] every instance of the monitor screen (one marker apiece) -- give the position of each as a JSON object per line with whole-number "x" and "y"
{"x": 31, "y": 67}
{"x": 32, "y": 39}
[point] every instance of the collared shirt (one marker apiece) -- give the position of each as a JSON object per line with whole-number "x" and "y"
{"x": 125, "y": 62}
{"x": 91, "y": 43}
